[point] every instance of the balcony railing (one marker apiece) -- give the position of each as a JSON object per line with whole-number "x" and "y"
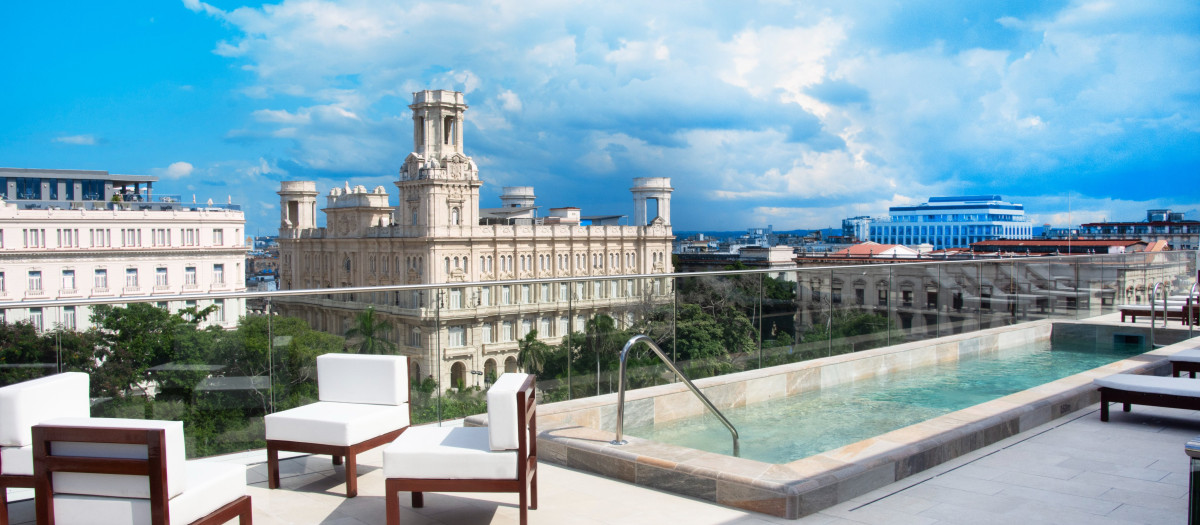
{"x": 150, "y": 361}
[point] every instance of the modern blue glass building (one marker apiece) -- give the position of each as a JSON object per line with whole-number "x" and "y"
{"x": 951, "y": 222}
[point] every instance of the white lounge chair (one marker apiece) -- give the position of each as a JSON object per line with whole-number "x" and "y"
{"x": 23, "y": 405}
{"x": 101, "y": 471}
{"x": 499, "y": 458}
{"x": 1186, "y": 361}
{"x": 1133, "y": 389}
{"x": 363, "y": 403}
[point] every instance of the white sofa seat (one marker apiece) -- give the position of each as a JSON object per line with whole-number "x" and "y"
{"x": 210, "y": 485}
{"x": 1171, "y": 386}
{"x": 332, "y": 423}
{"x": 25, "y": 404}
{"x": 431, "y": 452}
{"x": 1187, "y": 356}
{"x": 16, "y": 461}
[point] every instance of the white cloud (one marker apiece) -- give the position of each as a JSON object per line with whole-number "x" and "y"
{"x": 77, "y": 140}
{"x": 774, "y": 107}
{"x": 177, "y": 170}
{"x": 510, "y": 101}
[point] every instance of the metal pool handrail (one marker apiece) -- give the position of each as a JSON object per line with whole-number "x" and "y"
{"x": 1153, "y": 296}
{"x": 658, "y": 351}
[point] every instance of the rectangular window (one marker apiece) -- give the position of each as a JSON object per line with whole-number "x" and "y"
{"x": 485, "y": 296}
{"x": 526, "y": 327}
{"x": 69, "y": 318}
{"x": 457, "y": 336}
{"x": 68, "y": 280}
{"x": 525, "y": 294}
{"x": 131, "y": 237}
{"x": 162, "y": 237}
{"x": 218, "y": 237}
{"x": 544, "y": 328}
{"x": 68, "y": 238}
{"x": 545, "y": 292}
{"x": 218, "y": 274}
{"x": 486, "y": 332}
{"x": 563, "y": 291}
{"x": 189, "y": 276}
{"x": 160, "y": 277}
{"x": 906, "y": 298}
{"x": 456, "y": 298}
{"x": 35, "y": 318}
{"x": 35, "y": 238}
{"x": 219, "y": 315}
{"x": 883, "y": 298}
{"x": 562, "y": 325}
{"x": 505, "y": 295}
{"x": 35, "y": 281}
{"x": 414, "y": 337}
{"x": 131, "y": 278}
{"x": 506, "y": 331}
{"x": 860, "y": 296}
{"x": 1, "y": 282}
{"x": 101, "y": 238}
{"x": 101, "y": 280}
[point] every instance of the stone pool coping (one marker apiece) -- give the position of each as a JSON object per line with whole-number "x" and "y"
{"x": 805, "y": 486}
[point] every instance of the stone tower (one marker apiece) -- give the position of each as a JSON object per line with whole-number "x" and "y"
{"x": 297, "y": 205}
{"x": 439, "y": 185}
{"x": 651, "y": 200}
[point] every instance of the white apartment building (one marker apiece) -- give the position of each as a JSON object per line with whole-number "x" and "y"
{"x": 64, "y": 236}
{"x": 437, "y": 233}
{"x": 951, "y": 222}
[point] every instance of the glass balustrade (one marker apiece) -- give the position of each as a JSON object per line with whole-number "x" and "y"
{"x": 169, "y": 357}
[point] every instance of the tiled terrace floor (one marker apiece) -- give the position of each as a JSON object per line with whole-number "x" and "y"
{"x": 1074, "y": 470}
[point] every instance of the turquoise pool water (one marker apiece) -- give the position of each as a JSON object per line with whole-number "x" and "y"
{"x": 785, "y": 430}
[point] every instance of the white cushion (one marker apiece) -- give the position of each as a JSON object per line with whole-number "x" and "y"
{"x": 16, "y": 461}
{"x": 1175, "y": 386}
{"x": 113, "y": 485}
{"x": 360, "y": 378}
{"x": 211, "y": 485}
{"x": 1189, "y": 356}
{"x": 341, "y": 424}
{"x": 503, "y": 426}
{"x": 26, "y": 404}
{"x": 430, "y": 452}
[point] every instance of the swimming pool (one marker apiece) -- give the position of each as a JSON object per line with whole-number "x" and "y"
{"x": 577, "y": 433}
{"x": 796, "y": 427}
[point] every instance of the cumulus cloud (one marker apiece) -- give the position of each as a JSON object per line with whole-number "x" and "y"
{"x": 176, "y": 170}
{"x": 77, "y": 140}
{"x": 756, "y": 111}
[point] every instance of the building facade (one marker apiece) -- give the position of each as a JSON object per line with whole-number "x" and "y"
{"x": 952, "y": 222}
{"x": 437, "y": 234}
{"x": 64, "y": 236}
{"x": 1160, "y": 225}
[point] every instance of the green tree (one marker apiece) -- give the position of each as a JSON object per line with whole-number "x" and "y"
{"x": 532, "y": 353}
{"x": 135, "y": 337}
{"x": 371, "y": 334}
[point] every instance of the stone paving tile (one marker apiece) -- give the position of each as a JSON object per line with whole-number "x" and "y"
{"x": 1135, "y": 485}
{"x": 1073, "y": 487}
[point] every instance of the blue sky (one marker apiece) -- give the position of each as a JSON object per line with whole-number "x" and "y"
{"x": 795, "y": 114}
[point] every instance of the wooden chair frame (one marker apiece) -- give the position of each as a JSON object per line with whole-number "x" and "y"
{"x": 337, "y": 452}
{"x": 1127, "y": 398}
{"x": 154, "y": 467}
{"x": 525, "y": 485}
{"x": 14, "y": 481}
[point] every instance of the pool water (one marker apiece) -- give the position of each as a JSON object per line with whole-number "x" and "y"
{"x": 788, "y": 429}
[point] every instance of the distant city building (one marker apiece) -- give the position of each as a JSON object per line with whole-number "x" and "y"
{"x": 857, "y": 227}
{"x": 1063, "y": 246}
{"x": 1160, "y": 225}
{"x": 438, "y": 234}
{"x": 79, "y": 234}
{"x": 950, "y": 222}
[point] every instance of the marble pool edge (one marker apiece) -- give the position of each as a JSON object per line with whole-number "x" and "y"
{"x": 578, "y": 434}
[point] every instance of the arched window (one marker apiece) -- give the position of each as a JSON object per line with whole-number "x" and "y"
{"x": 454, "y": 219}
{"x": 458, "y": 375}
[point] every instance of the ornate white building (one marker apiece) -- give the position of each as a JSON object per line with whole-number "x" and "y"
{"x": 80, "y": 234}
{"x": 437, "y": 233}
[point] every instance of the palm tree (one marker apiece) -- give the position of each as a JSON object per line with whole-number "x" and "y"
{"x": 531, "y": 353}
{"x": 372, "y": 332}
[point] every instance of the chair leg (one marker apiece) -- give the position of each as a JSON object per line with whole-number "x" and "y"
{"x": 524, "y": 505}
{"x": 337, "y": 460}
{"x": 3, "y": 506}
{"x": 1126, "y": 407}
{"x": 391, "y": 504}
{"x": 533, "y": 490}
{"x": 418, "y": 500}
{"x": 272, "y": 466}
{"x": 351, "y": 475}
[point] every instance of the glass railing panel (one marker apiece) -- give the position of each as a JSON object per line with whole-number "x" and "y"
{"x": 857, "y": 319}
{"x": 778, "y": 319}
